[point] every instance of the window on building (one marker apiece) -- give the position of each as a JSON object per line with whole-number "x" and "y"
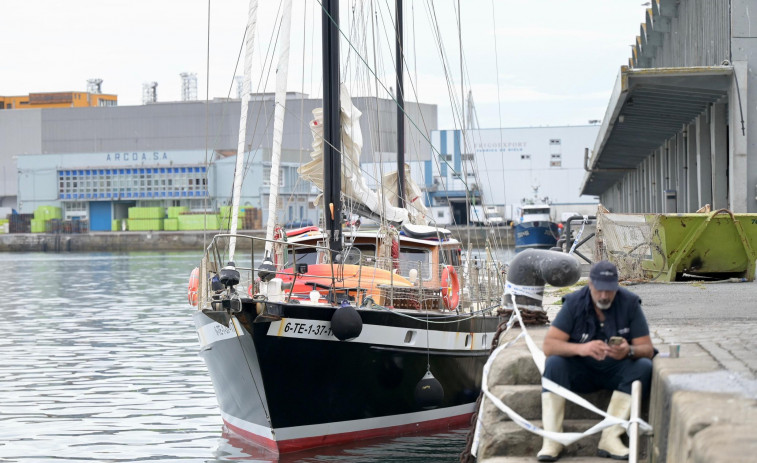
{"x": 267, "y": 177}
{"x": 148, "y": 183}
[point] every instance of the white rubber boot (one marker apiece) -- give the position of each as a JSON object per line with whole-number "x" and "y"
{"x": 610, "y": 445}
{"x": 552, "y": 414}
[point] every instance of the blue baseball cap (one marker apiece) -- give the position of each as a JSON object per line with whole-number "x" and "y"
{"x": 604, "y": 276}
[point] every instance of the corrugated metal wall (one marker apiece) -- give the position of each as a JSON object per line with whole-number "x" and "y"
{"x": 183, "y": 126}
{"x": 700, "y": 35}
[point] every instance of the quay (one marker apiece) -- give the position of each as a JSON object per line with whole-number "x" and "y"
{"x": 169, "y": 241}
{"x": 703, "y": 405}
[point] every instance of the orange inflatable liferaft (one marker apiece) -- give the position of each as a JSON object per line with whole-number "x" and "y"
{"x": 369, "y": 280}
{"x": 194, "y": 284}
{"x": 450, "y": 288}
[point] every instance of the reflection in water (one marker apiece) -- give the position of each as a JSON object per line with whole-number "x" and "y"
{"x": 100, "y": 364}
{"x": 421, "y": 448}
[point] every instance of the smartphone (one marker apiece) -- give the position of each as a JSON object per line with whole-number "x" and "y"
{"x": 615, "y": 341}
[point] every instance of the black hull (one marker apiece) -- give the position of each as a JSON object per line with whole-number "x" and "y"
{"x": 279, "y": 382}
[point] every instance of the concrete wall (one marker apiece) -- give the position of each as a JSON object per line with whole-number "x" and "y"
{"x": 712, "y": 159}
{"x": 699, "y": 411}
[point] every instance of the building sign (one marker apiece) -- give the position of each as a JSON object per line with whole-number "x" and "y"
{"x": 136, "y": 157}
{"x": 501, "y": 147}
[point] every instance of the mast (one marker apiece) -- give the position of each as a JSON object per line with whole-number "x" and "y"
{"x": 400, "y": 109}
{"x": 332, "y": 139}
{"x": 278, "y": 124}
{"x": 252, "y": 16}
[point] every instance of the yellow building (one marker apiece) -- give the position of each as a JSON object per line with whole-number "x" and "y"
{"x": 58, "y": 100}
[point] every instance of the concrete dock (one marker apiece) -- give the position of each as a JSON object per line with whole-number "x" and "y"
{"x": 703, "y": 405}
{"x": 118, "y": 241}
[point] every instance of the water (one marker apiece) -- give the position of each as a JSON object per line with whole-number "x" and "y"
{"x": 99, "y": 363}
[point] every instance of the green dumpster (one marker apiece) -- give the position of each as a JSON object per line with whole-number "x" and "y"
{"x": 716, "y": 244}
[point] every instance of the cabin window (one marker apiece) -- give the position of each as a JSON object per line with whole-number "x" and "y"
{"x": 451, "y": 257}
{"x": 304, "y": 256}
{"x": 419, "y": 259}
{"x": 354, "y": 254}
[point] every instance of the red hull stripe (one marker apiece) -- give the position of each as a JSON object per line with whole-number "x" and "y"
{"x": 296, "y": 445}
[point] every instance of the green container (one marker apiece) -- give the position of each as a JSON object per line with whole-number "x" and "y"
{"x": 145, "y": 224}
{"x": 713, "y": 244}
{"x": 146, "y": 212}
{"x": 38, "y": 226}
{"x": 47, "y": 213}
{"x": 198, "y": 222}
{"x": 226, "y": 213}
{"x": 170, "y": 224}
{"x": 175, "y": 211}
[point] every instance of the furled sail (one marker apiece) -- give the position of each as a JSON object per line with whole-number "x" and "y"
{"x": 354, "y": 185}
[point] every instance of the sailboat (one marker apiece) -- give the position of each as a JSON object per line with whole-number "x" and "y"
{"x": 322, "y": 336}
{"x": 535, "y": 228}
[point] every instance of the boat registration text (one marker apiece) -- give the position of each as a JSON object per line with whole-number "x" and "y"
{"x": 297, "y": 328}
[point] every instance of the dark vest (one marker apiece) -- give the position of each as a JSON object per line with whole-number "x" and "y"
{"x": 585, "y": 326}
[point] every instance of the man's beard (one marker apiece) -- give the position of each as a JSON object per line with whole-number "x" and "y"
{"x": 603, "y": 305}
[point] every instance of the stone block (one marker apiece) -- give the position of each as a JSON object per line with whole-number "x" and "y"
{"x": 694, "y": 412}
{"x": 725, "y": 443}
{"x": 514, "y": 365}
{"x": 667, "y": 377}
{"x": 525, "y": 400}
{"x": 509, "y": 439}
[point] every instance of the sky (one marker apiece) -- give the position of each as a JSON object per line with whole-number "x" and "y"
{"x": 527, "y": 63}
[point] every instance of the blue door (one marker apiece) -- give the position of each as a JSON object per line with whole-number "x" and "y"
{"x": 100, "y": 215}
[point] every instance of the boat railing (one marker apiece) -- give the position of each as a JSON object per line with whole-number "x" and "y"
{"x": 352, "y": 275}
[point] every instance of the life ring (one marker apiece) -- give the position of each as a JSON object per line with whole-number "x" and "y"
{"x": 194, "y": 284}
{"x": 450, "y": 288}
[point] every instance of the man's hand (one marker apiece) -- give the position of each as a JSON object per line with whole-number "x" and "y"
{"x": 595, "y": 349}
{"x": 619, "y": 351}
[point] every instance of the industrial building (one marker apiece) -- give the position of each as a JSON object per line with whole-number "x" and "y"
{"x": 97, "y": 162}
{"x": 507, "y": 167}
{"x": 92, "y": 97}
{"x": 676, "y": 133}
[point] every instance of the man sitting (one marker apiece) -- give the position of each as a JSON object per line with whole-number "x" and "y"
{"x": 598, "y": 340}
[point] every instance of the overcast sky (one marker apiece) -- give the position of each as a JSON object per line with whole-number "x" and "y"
{"x": 556, "y": 61}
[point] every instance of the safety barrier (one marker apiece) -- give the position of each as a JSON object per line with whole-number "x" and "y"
{"x": 634, "y": 425}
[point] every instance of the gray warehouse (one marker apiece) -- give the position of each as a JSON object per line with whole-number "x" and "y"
{"x": 97, "y": 162}
{"x": 676, "y": 134}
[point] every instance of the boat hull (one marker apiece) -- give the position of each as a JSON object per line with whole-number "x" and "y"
{"x": 536, "y": 235}
{"x": 288, "y": 384}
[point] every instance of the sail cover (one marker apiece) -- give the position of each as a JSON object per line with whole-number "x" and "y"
{"x": 354, "y": 186}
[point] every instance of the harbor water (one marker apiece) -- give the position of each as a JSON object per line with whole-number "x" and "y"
{"x": 100, "y": 363}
